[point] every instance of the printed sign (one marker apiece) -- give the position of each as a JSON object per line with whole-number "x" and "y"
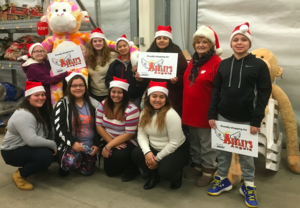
{"x": 65, "y": 60}
{"x": 235, "y": 138}
{"x": 157, "y": 65}
{"x": 42, "y": 28}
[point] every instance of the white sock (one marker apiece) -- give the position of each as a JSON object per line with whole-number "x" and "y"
{"x": 249, "y": 183}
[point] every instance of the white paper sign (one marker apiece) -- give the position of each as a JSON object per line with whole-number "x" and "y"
{"x": 157, "y": 65}
{"x": 65, "y": 60}
{"x": 235, "y": 138}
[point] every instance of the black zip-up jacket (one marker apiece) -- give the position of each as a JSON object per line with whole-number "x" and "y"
{"x": 241, "y": 90}
{"x": 123, "y": 70}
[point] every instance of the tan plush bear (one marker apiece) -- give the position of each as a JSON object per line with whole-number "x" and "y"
{"x": 287, "y": 116}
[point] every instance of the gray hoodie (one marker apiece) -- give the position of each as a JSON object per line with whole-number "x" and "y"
{"x": 23, "y": 129}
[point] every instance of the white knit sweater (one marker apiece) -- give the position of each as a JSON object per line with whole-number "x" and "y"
{"x": 166, "y": 141}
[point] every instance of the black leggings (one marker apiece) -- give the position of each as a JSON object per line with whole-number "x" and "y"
{"x": 119, "y": 161}
{"x": 31, "y": 159}
{"x": 169, "y": 167}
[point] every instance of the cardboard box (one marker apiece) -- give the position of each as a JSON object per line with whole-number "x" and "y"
{"x": 35, "y": 12}
{"x": 19, "y": 11}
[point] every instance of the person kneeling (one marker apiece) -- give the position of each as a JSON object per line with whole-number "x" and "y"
{"x": 163, "y": 150}
{"x": 75, "y": 130}
{"x": 28, "y": 143}
{"x": 117, "y": 120}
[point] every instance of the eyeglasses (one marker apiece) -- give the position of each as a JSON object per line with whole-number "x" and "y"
{"x": 38, "y": 52}
{"x": 80, "y": 86}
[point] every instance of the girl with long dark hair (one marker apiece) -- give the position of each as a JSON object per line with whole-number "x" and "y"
{"x": 98, "y": 59}
{"x": 163, "y": 43}
{"x": 75, "y": 131}
{"x": 163, "y": 150}
{"x": 117, "y": 120}
{"x": 29, "y": 142}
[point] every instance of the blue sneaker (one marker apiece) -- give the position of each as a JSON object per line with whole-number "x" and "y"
{"x": 249, "y": 192}
{"x": 219, "y": 186}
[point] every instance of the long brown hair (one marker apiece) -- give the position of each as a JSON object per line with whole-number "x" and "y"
{"x": 149, "y": 111}
{"x": 42, "y": 116}
{"x": 91, "y": 58}
{"x": 86, "y": 97}
{"x": 109, "y": 106}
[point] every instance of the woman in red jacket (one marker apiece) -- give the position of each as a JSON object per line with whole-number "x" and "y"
{"x": 197, "y": 88}
{"x": 37, "y": 69}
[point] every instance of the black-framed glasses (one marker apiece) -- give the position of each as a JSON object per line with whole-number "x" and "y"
{"x": 37, "y": 52}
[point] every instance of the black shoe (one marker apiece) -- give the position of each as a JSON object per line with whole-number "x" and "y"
{"x": 177, "y": 183}
{"x": 151, "y": 183}
{"x": 130, "y": 175}
{"x": 63, "y": 173}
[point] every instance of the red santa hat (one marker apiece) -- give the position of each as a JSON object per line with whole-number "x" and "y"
{"x": 33, "y": 87}
{"x": 121, "y": 83}
{"x": 163, "y": 31}
{"x": 71, "y": 75}
{"x": 158, "y": 86}
{"x": 242, "y": 29}
{"x": 210, "y": 34}
{"x": 30, "y": 48}
{"x": 123, "y": 37}
{"x": 97, "y": 33}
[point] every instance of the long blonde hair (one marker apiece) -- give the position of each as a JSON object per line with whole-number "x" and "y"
{"x": 148, "y": 113}
{"x": 91, "y": 58}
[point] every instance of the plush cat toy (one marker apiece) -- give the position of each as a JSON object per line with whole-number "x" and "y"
{"x": 64, "y": 18}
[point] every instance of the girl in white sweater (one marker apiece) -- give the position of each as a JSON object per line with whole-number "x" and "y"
{"x": 163, "y": 151}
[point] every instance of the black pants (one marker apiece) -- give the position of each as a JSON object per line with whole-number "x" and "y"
{"x": 169, "y": 167}
{"x": 98, "y": 98}
{"x": 31, "y": 159}
{"x": 119, "y": 161}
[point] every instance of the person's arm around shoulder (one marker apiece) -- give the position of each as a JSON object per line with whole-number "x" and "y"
{"x": 26, "y": 125}
{"x": 175, "y": 134}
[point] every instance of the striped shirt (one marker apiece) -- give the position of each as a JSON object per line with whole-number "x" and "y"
{"x": 115, "y": 127}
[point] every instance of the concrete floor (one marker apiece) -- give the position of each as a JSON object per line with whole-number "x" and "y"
{"x": 275, "y": 190}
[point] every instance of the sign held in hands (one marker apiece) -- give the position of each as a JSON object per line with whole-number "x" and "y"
{"x": 65, "y": 60}
{"x": 157, "y": 65}
{"x": 235, "y": 138}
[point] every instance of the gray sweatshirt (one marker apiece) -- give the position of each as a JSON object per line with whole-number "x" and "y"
{"x": 23, "y": 129}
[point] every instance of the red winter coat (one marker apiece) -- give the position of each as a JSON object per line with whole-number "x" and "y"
{"x": 196, "y": 98}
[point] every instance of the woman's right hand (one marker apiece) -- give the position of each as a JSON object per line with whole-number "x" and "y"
{"x": 121, "y": 146}
{"x": 150, "y": 159}
{"x": 78, "y": 147}
{"x": 212, "y": 123}
{"x": 55, "y": 152}
{"x": 137, "y": 77}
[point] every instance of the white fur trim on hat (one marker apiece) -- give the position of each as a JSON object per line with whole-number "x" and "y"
{"x": 97, "y": 35}
{"x": 163, "y": 33}
{"x": 134, "y": 57}
{"x": 130, "y": 43}
{"x": 32, "y": 47}
{"x": 34, "y": 90}
{"x": 159, "y": 89}
{"x": 243, "y": 30}
{"x": 68, "y": 78}
{"x": 205, "y": 32}
{"x": 119, "y": 84}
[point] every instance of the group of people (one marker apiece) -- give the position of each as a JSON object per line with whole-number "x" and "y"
{"x": 106, "y": 118}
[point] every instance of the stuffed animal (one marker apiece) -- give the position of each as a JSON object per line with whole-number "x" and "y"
{"x": 287, "y": 116}
{"x": 64, "y": 18}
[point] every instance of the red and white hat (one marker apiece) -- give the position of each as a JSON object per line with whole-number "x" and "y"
{"x": 163, "y": 31}
{"x": 242, "y": 29}
{"x": 71, "y": 75}
{"x": 30, "y": 48}
{"x": 121, "y": 83}
{"x": 123, "y": 37}
{"x": 211, "y": 35}
{"x": 33, "y": 87}
{"x": 158, "y": 86}
{"x": 97, "y": 33}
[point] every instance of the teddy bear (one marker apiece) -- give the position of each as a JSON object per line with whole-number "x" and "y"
{"x": 64, "y": 18}
{"x": 287, "y": 116}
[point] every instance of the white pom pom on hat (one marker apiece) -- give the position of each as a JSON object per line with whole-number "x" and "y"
{"x": 242, "y": 29}
{"x": 210, "y": 34}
